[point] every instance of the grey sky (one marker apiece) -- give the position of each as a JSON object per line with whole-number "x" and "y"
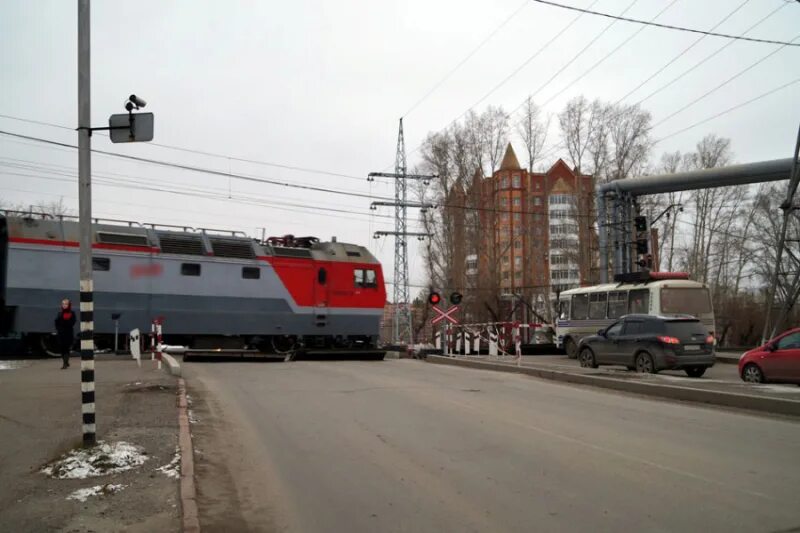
{"x": 322, "y": 84}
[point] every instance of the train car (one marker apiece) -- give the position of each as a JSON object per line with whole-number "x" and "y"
{"x": 213, "y": 288}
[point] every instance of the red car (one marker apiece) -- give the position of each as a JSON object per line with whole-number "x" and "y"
{"x": 777, "y": 361}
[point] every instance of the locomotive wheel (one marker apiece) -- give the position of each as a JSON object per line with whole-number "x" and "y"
{"x": 49, "y": 345}
{"x": 284, "y": 344}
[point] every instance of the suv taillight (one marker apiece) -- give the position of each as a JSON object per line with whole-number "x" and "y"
{"x": 669, "y": 340}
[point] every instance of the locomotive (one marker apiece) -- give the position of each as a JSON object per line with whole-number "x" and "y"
{"x": 212, "y": 288}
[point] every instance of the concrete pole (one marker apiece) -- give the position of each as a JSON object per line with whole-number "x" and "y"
{"x": 85, "y": 211}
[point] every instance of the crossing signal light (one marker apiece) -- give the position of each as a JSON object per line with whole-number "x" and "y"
{"x": 641, "y": 223}
{"x": 455, "y": 298}
{"x": 434, "y": 298}
{"x": 641, "y": 246}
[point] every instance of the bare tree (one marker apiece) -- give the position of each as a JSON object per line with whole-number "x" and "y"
{"x": 577, "y": 122}
{"x": 533, "y": 131}
{"x": 629, "y": 129}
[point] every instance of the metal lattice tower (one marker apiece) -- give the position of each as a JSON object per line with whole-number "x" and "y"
{"x": 402, "y": 292}
{"x": 401, "y": 326}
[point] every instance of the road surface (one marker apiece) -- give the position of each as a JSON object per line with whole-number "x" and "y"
{"x": 409, "y": 446}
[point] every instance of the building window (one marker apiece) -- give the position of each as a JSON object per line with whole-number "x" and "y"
{"x": 504, "y": 182}
{"x": 517, "y": 202}
{"x": 503, "y": 201}
{"x": 562, "y": 199}
{"x": 506, "y": 275}
{"x": 537, "y": 200}
{"x": 505, "y": 259}
{"x": 559, "y": 260}
{"x": 504, "y": 217}
{"x": 517, "y": 216}
{"x": 517, "y": 181}
{"x": 190, "y": 269}
{"x": 517, "y": 275}
{"x": 251, "y": 273}
{"x": 518, "y": 231}
{"x": 517, "y": 244}
{"x": 518, "y": 261}
{"x": 101, "y": 264}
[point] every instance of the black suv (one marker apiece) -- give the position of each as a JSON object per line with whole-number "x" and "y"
{"x": 647, "y": 343}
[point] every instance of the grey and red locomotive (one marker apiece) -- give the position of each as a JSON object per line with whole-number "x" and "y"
{"x": 213, "y": 288}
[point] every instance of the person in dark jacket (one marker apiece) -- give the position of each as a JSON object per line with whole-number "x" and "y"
{"x": 65, "y": 325}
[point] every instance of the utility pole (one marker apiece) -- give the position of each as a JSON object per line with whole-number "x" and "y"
{"x": 85, "y": 225}
{"x": 401, "y": 327}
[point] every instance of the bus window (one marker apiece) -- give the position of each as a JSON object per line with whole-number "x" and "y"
{"x": 563, "y": 309}
{"x": 597, "y": 304}
{"x": 694, "y": 301}
{"x": 639, "y": 301}
{"x": 617, "y": 303}
{"x": 580, "y": 306}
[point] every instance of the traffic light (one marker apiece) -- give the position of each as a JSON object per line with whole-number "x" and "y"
{"x": 434, "y": 298}
{"x": 641, "y": 246}
{"x": 455, "y": 298}
{"x": 641, "y": 223}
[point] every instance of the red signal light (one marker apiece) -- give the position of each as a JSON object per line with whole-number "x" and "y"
{"x": 434, "y": 298}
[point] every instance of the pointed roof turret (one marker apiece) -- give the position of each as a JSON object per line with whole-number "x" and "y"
{"x": 510, "y": 161}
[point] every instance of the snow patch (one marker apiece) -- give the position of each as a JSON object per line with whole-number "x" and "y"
{"x": 82, "y": 495}
{"x": 192, "y": 418}
{"x": 99, "y": 460}
{"x": 173, "y": 468}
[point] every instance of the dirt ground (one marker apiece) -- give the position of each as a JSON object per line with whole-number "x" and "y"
{"x": 40, "y": 420}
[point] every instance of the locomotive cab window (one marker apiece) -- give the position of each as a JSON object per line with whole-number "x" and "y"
{"x": 190, "y": 269}
{"x": 251, "y": 273}
{"x": 101, "y": 264}
{"x": 322, "y": 276}
{"x": 365, "y": 278}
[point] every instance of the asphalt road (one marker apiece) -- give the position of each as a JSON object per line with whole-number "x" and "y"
{"x": 408, "y": 446}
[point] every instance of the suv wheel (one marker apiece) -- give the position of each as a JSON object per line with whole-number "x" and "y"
{"x": 695, "y": 371}
{"x": 586, "y": 358}
{"x": 645, "y": 364}
{"x": 752, "y": 374}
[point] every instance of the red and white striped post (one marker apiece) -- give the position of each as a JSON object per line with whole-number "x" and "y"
{"x": 518, "y": 342}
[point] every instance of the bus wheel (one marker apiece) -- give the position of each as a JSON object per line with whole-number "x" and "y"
{"x": 571, "y": 348}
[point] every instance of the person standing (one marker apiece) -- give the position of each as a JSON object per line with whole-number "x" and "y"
{"x": 65, "y": 325}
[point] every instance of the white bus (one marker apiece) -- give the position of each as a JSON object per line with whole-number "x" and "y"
{"x": 584, "y": 311}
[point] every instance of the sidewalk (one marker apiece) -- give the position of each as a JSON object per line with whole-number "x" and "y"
{"x": 40, "y": 420}
{"x": 776, "y": 399}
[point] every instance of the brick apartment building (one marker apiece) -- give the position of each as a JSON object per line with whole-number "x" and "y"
{"x": 527, "y": 237}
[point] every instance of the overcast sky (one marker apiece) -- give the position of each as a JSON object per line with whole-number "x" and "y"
{"x": 322, "y": 84}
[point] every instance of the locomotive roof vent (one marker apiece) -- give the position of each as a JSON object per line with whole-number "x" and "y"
{"x": 291, "y": 252}
{"x": 172, "y": 243}
{"x": 238, "y": 248}
{"x": 127, "y": 239}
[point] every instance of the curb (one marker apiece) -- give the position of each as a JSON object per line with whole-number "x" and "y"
{"x": 190, "y": 522}
{"x": 172, "y": 365}
{"x": 725, "y": 399}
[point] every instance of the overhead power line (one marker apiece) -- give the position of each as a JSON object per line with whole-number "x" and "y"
{"x": 488, "y": 38}
{"x": 663, "y": 26}
{"x": 724, "y": 83}
{"x": 202, "y": 152}
{"x": 708, "y": 57}
{"x": 682, "y": 52}
{"x": 728, "y": 110}
{"x": 209, "y": 171}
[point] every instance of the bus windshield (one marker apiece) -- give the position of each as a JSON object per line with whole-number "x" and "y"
{"x": 694, "y": 301}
